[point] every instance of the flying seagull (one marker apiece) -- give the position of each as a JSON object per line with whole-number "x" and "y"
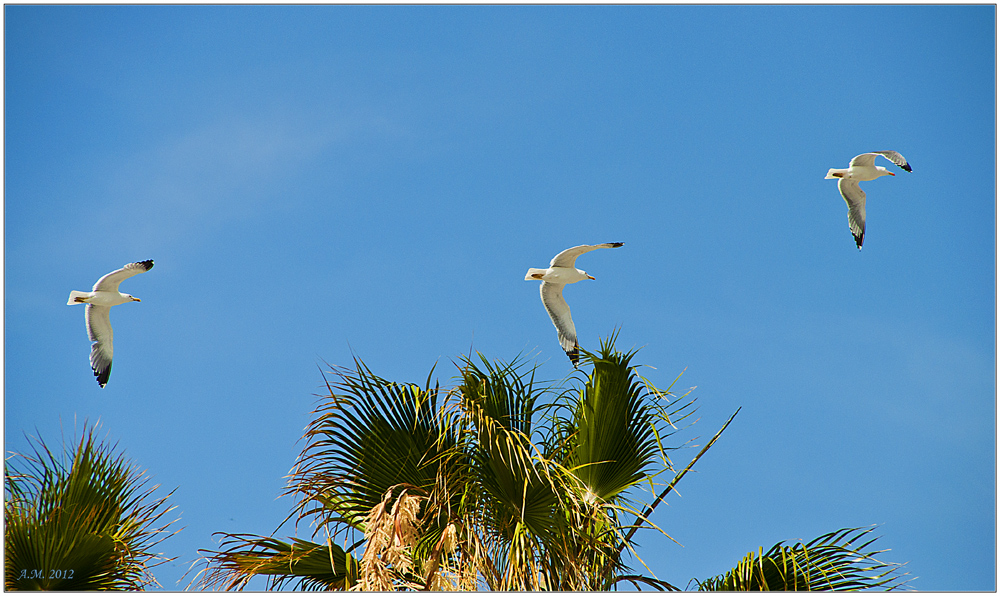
{"x": 862, "y": 169}
{"x": 99, "y": 302}
{"x": 562, "y": 271}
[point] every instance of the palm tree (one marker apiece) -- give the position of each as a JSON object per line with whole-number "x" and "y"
{"x": 85, "y": 525}
{"x": 500, "y": 482}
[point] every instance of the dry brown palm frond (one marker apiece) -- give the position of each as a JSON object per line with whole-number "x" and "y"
{"x": 392, "y": 529}
{"x": 441, "y": 575}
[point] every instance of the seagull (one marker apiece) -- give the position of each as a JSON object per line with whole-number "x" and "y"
{"x": 99, "y": 302}
{"x": 862, "y": 169}
{"x": 562, "y": 271}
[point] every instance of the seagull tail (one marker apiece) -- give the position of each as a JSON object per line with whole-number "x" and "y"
{"x": 75, "y": 297}
{"x": 834, "y": 173}
{"x": 530, "y": 275}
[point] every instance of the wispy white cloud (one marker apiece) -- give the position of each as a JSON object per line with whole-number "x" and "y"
{"x": 230, "y": 169}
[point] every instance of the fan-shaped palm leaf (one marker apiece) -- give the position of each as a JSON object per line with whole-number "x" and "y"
{"x": 831, "y": 562}
{"x": 517, "y": 495}
{"x": 614, "y": 427}
{"x": 303, "y": 564}
{"x": 85, "y": 525}
{"x": 370, "y": 435}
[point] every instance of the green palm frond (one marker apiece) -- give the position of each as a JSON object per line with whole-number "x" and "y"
{"x": 615, "y": 444}
{"x": 300, "y": 564}
{"x": 83, "y": 525}
{"x": 371, "y": 441}
{"x": 504, "y": 391}
{"x": 830, "y": 562}
{"x": 514, "y": 489}
{"x": 369, "y": 436}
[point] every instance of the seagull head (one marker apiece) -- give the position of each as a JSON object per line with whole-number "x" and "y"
{"x": 133, "y": 298}
{"x": 883, "y": 172}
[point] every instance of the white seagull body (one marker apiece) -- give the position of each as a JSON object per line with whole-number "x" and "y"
{"x": 862, "y": 169}
{"x": 562, "y": 270}
{"x": 99, "y": 302}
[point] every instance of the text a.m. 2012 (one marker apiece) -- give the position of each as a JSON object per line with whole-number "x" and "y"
{"x": 42, "y": 574}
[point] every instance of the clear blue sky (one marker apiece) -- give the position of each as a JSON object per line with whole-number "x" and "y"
{"x": 317, "y": 181}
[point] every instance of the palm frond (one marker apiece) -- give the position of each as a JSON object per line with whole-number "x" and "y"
{"x": 369, "y": 435}
{"x": 638, "y": 581}
{"x": 830, "y": 562}
{"x": 505, "y": 392}
{"x": 83, "y": 521}
{"x": 514, "y": 491}
{"x": 615, "y": 441}
{"x": 302, "y": 564}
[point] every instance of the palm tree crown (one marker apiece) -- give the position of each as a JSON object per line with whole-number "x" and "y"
{"x": 500, "y": 482}
{"x": 85, "y": 525}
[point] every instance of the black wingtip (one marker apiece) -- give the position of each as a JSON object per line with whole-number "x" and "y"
{"x": 616, "y": 244}
{"x": 906, "y": 167}
{"x": 102, "y": 376}
{"x": 146, "y": 265}
{"x": 574, "y": 356}
{"x": 859, "y": 239}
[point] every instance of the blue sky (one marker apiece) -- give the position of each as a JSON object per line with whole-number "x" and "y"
{"x": 320, "y": 181}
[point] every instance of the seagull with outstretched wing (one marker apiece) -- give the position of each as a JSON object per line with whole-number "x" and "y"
{"x": 562, "y": 270}
{"x": 99, "y": 302}
{"x": 862, "y": 169}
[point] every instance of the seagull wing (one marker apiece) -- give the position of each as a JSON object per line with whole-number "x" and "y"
{"x": 99, "y": 330}
{"x": 567, "y": 258}
{"x": 864, "y": 160}
{"x": 895, "y": 158}
{"x": 855, "y": 199}
{"x": 555, "y": 304}
{"x": 109, "y": 283}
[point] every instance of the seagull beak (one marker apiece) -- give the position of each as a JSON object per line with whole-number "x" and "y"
{"x": 590, "y": 276}
{"x": 890, "y": 173}
{"x": 136, "y": 299}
